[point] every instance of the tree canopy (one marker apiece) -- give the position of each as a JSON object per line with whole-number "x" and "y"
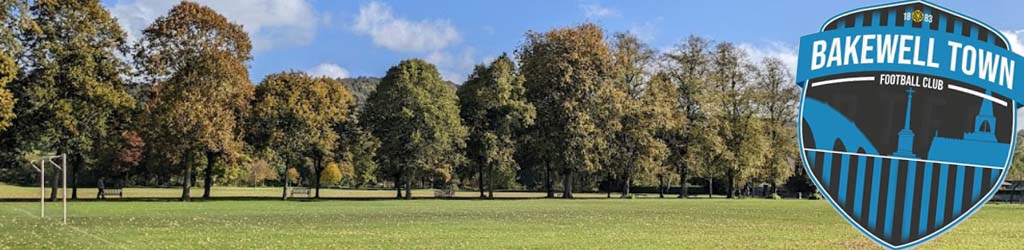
{"x": 564, "y": 69}
{"x": 494, "y": 108}
{"x": 194, "y": 58}
{"x": 416, "y": 117}
{"x": 296, "y": 115}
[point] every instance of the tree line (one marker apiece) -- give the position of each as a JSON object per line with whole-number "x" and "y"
{"x": 570, "y": 109}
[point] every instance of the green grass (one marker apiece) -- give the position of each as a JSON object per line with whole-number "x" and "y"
{"x": 21, "y": 192}
{"x": 470, "y": 224}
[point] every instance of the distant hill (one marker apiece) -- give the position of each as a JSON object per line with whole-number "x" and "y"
{"x": 361, "y": 87}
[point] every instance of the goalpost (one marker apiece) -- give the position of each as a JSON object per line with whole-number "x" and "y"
{"x": 42, "y": 183}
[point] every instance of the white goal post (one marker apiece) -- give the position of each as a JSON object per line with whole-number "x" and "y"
{"x": 42, "y": 183}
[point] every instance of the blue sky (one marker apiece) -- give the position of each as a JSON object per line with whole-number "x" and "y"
{"x": 365, "y": 38}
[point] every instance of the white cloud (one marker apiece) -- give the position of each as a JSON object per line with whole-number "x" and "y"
{"x": 1016, "y": 40}
{"x": 782, "y": 51}
{"x": 329, "y": 70}
{"x": 270, "y": 23}
{"x": 395, "y": 33}
{"x": 598, "y": 11}
{"x": 454, "y": 67}
{"x": 644, "y": 31}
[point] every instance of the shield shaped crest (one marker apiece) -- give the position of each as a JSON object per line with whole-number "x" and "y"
{"x": 907, "y": 117}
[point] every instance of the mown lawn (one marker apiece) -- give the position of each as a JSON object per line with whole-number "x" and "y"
{"x": 470, "y": 224}
{"x": 24, "y": 192}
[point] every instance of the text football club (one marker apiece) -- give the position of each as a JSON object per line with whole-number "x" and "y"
{"x": 907, "y": 117}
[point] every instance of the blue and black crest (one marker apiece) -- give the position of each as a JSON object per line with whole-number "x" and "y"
{"x": 907, "y": 117}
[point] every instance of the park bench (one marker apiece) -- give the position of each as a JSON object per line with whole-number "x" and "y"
{"x": 107, "y": 192}
{"x": 444, "y": 193}
{"x": 301, "y": 190}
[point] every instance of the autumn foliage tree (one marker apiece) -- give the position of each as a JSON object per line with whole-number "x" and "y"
{"x": 563, "y": 70}
{"x": 297, "y": 115}
{"x": 194, "y": 58}
{"x": 632, "y": 114}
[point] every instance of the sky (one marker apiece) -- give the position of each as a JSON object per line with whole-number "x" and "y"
{"x": 366, "y": 37}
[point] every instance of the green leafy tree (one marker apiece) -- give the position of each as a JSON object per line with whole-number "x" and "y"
{"x": 632, "y": 114}
{"x": 695, "y": 144}
{"x": 1016, "y": 172}
{"x": 194, "y": 58}
{"x": 742, "y": 132}
{"x": 13, "y": 21}
{"x": 74, "y": 90}
{"x": 777, "y": 100}
{"x": 416, "y": 117}
{"x": 358, "y": 148}
{"x": 563, "y": 70}
{"x": 494, "y": 108}
{"x": 296, "y": 115}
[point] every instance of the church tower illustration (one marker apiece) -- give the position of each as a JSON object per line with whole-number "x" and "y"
{"x": 905, "y": 146}
{"x": 984, "y": 124}
{"x": 978, "y": 146}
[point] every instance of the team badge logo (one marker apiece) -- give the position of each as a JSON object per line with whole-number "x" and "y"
{"x": 907, "y": 117}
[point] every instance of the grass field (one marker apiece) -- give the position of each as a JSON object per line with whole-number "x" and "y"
{"x": 470, "y": 224}
{"x": 19, "y": 192}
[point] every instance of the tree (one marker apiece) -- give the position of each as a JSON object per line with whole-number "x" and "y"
{"x": 13, "y": 21}
{"x": 777, "y": 100}
{"x": 494, "y": 109}
{"x": 632, "y": 114}
{"x": 358, "y": 148}
{"x": 194, "y": 58}
{"x": 695, "y": 145}
{"x": 74, "y": 90}
{"x": 297, "y": 115}
{"x": 416, "y": 117}
{"x": 741, "y": 131}
{"x": 292, "y": 175}
{"x": 670, "y": 122}
{"x": 129, "y": 153}
{"x": 331, "y": 174}
{"x": 262, "y": 169}
{"x": 1016, "y": 173}
{"x": 563, "y": 70}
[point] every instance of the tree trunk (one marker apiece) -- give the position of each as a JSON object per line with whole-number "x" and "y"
{"x": 408, "y": 187}
{"x": 625, "y": 187}
{"x": 547, "y": 182}
{"x": 75, "y": 166}
{"x": 55, "y": 184}
{"x": 683, "y": 186}
{"x": 731, "y": 188}
{"x": 480, "y": 180}
{"x": 211, "y": 160}
{"x": 188, "y": 182}
{"x": 567, "y": 186}
{"x": 398, "y": 186}
{"x": 490, "y": 185}
{"x": 284, "y": 192}
{"x": 661, "y": 186}
{"x": 318, "y": 169}
{"x": 711, "y": 187}
{"x": 610, "y": 183}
